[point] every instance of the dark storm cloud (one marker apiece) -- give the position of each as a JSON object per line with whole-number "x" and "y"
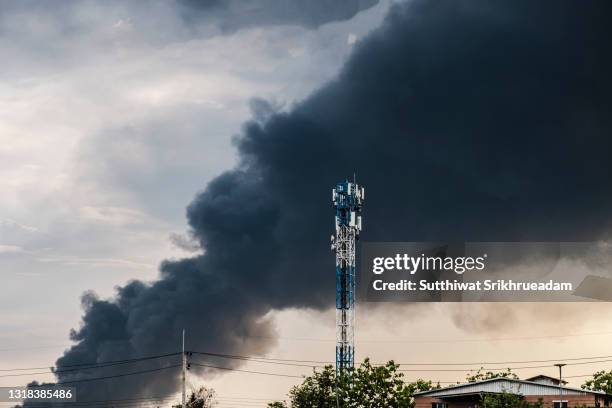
{"x": 471, "y": 120}
{"x": 236, "y": 14}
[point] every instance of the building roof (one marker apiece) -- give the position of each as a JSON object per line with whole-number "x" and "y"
{"x": 502, "y": 384}
{"x": 539, "y": 378}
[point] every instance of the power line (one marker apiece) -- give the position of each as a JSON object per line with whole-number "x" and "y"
{"x": 282, "y": 363}
{"x": 313, "y": 363}
{"x": 407, "y": 370}
{"x": 247, "y": 371}
{"x": 77, "y": 403}
{"x": 110, "y": 376}
{"x": 125, "y": 404}
{"x": 165, "y": 368}
{"x": 512, "y": 362}
{"x": 26, "y": 374}
{"x": 96, "y": 364}
{"x": 247, "y": 358}
{"x": 101, "y": 403}
{"x": 249, "y": 398}
{"x": 267, "y": 359}
{"x": 501, "y": 369}
{"x": 167, "y": 397}
{"x": 460, "y": 340}
{"x": 289, "y": 362}
{"x": 125, "y": 361}
{"x": 473, "y": 368}
{"x": 29, "y": 368}
{"x": 65, "y": 368}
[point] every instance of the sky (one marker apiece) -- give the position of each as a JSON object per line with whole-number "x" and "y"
{"x": 113, "y": 116}
{"x": 116, "y": 117}
{"x": 107, "y": 134}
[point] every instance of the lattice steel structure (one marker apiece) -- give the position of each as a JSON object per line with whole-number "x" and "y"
{"x": 348, "y": 199}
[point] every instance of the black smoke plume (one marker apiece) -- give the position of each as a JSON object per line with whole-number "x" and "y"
{"x": 472, "y": 120}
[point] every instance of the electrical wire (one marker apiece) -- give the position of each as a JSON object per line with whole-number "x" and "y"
{"x": 96, "y": 364}
{"x": 110, "y": 376}
{"x": 166, "y": 397}
{"x": 289, "y": 362}
{"x": 246, "y": 371}
{"x": 279, "y": 360}
{"x": 130, "y": 400}
{"x": 316, "y": 364}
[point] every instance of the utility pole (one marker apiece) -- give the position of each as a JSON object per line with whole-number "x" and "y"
{"x": 560, "y": 384}
{"x": 184, "y": 374}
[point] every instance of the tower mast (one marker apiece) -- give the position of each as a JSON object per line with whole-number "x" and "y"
{"x": 348, "y": 199}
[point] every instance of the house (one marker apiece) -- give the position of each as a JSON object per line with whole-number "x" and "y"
{"x": 541, "y": 387}
{"x": 545, "y": 379}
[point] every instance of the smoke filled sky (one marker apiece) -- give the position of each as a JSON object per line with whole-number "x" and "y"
{"x": 173, "y": 161}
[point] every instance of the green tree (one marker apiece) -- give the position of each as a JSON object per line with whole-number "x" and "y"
{"x": 481, "y": 375}
{"x": 601, "y": 381}
{"x": 277, "y": 404}
{"x": 379, "y": 386}
{"x": 201, "y": 398}
{"x": 507, "y": 400}
{"x": 363, "y": 387}
{"x": 318, "y": 390}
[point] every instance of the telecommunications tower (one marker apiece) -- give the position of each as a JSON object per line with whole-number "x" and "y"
{"x": 348, "y": 199}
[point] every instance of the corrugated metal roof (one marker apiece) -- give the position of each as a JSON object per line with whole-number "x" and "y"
{"x": 545, "y": 379}
{"x": 499, "y": 385}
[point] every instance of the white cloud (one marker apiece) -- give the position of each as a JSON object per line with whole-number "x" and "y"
{"x": 116, "y": 216}
{"x": 28, "y": 274}
{"x": 7, "y": 249}
{"x": 98, "y": 262}
{"x": 8, "y": 223}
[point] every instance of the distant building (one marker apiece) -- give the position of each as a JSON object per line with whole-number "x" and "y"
{"x": 545, "y": 379}
{"x": 541, "y": 387}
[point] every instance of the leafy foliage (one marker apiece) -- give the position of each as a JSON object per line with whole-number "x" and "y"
{"x": 480, "y": 375}
{"x": 366, "y": 386}
{"x": 201, "y": 398}
{"x": 601, "y": 381}
{"x": 507, "y": 400}
{"x": 372, "y": 386}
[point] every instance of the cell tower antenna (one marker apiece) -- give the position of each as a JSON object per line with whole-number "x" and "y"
{"x": 348, "y": 199}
